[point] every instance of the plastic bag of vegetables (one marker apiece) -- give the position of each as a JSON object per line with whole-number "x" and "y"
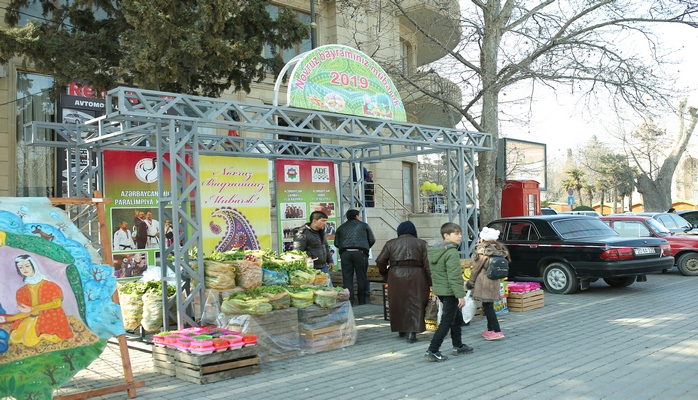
{"x": 325, "y": 297}
{"x": 302, "y": 277}
{"x": 242, "y": 303}
{"x": 277, "y": 295}
{"x": 342, "y": 293}
{"x": 217, "y": 275}
{"x": 151, "y": 320}
{"x": 130, "y": 299}
{"x": 249, "y": 273}
{"x": 301, "y": 297}
{"x": 271, "y": 277}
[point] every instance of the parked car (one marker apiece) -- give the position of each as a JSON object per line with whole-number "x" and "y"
{"x": 570, "y": 251}
{"x": 690, "y": 216}
{"x": 673, "y": 222}
{"x": 589, "y": 213}
{"x": 548, "y": 211}
{"x": 684, "y": 248}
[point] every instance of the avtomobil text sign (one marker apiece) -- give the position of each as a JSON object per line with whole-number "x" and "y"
{"x": 344, "y": 80}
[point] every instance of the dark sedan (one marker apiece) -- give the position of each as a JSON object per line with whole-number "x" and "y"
{"x": 570, "y": 251}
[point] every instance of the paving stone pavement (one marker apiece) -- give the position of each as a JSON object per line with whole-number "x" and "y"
{"x": 638, "y": 342}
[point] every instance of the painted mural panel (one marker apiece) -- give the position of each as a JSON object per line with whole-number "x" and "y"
{"x": 56, "y": 307}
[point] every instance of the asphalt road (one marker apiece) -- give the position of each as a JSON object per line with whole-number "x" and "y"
{"x": 638, "y": 342}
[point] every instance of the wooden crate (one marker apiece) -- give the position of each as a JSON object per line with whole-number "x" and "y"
{"x": 519, "y": 302}
{"x": 206, "y": 368}
{"x": 324, "y": 329}
{"x": 164, "y": 360}
{"x": 373, "y": 275}
{"x": 277, "y": 334}
{"x": 326, "y": 338}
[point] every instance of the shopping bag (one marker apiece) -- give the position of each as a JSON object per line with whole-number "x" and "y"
{"x": 469, "y": 308}
{"x": 432, "y": 309}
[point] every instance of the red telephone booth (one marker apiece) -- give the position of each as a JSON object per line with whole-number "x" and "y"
{"x": 520, "y": 198}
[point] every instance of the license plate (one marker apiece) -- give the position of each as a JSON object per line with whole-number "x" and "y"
{"x": 644, "y": 250}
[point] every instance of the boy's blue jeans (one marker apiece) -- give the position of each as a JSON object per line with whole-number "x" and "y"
{"x": 451, "y": 319}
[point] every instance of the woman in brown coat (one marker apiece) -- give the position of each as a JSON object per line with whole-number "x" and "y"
{"x": 404, "y": 261}
{"x": 485, "y": 289}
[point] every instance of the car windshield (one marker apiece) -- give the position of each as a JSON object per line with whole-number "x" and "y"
{"x": 658, "y": 227}
{"x": 575, "y": 228}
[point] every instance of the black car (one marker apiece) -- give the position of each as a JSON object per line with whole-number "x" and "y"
{"x": 570, "y": 251}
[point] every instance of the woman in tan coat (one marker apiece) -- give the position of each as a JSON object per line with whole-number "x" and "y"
{"x": 485, "y": 289}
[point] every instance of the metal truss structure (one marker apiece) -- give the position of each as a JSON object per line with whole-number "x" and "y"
{"x": 181, "y": 128}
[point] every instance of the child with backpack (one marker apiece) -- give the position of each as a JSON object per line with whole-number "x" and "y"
{"x": 486, "y": 289}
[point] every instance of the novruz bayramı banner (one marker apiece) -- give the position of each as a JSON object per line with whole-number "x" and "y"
{"x": 301, "y": 188}
{"x": 344, "y": 80}
{"x": 235, "y": 203}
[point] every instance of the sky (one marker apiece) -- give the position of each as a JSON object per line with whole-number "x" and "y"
{"x": 560, "y": 121}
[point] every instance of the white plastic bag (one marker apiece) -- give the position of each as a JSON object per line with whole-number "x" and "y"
{"x": 469, "y": 308}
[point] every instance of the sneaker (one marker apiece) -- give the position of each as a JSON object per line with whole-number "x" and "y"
{"x": 495, "y": 336}
{"x": 487, "y": 334}
{"x": 436, "y": 357}
{"x": 463, "y": 349}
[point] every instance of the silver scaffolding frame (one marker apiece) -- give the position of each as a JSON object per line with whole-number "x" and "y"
{"x": 172, "y": 124}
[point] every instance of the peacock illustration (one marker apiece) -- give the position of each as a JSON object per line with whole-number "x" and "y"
{"x": 238, "y": 231}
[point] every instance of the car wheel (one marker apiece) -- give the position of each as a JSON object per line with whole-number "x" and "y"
{"x": 688, "y": 264}
{"x": 559, "y": 278}
{"x": 620, "y": 282}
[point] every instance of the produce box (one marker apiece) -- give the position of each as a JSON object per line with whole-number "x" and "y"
{"x": 377, "y": 297}
{"x": 206, "y": 368}
{"x": 373, "y": 275}
{"x": 323, "y": 329}
{"x": 519, "y": 302}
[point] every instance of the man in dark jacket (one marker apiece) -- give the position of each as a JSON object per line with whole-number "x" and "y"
{"x": 353, "y": 240}
{"x": 311, "y": 239}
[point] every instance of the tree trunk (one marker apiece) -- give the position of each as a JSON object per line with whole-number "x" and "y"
{"x": 656, "y": 194}
{"x": 490, "y": 190}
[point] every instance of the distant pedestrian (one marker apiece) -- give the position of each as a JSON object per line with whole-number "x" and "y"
{"x": 370, "y": 191}
{"x": 404, "y": 261}
{"x": 485, "y": 289}
{"x": 354, "y": 239}
{"x": 448, "y": 286}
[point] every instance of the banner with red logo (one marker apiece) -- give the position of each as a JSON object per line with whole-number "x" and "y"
{"x": 303, "y": 187}
{"x": 131, "y": 182}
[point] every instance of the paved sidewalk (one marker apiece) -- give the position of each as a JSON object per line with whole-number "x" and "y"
{"x": 638, "y": 342}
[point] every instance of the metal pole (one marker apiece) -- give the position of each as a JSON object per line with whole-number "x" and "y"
{"x": 313, "y": 25}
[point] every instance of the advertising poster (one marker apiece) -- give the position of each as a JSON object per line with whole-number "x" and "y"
{"x": 301, "y": 188}
{"x": 131, "y": 182}
{"x": 235, "y": 203}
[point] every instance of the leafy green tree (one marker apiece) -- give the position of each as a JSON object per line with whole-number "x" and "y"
{"x": 190, "y": 46}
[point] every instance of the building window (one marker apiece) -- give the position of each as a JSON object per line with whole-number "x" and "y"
{"x": 299, "y": 48}
{"x": 405, "y": 57}
{"x": 35, "y": 164}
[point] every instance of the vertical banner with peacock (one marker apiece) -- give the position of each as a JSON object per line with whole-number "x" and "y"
{"x": 301, "y": 188}
{"x": 235, "y": 203}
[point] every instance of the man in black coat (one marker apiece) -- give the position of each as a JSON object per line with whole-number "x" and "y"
{"x": 353, "y": 239}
